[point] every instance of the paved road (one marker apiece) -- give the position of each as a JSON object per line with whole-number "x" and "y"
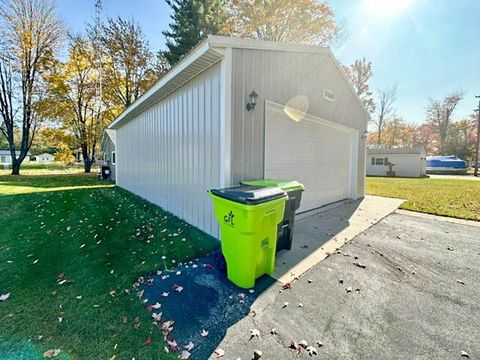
{"x": 411, "y": 303}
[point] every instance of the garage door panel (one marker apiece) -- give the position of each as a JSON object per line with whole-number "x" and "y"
{"x": 311, "y": 152}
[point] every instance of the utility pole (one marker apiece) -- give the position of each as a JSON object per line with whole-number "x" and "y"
{"x": 478, "y": 137}
{"x": 98, "y": 54}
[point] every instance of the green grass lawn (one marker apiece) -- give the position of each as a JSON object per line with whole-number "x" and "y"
{"x": 454, "y": 198}
{"x": 34, "y": 168}
{"x": 100, "y": 239}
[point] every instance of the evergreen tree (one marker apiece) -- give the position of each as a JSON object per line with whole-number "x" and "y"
{"x": 192, "y": 21}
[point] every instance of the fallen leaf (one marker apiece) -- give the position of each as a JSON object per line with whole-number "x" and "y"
{"x": 285, "y": 304}
{"x": 254, "y": 333}
{"x": 295, "y": 346}
{"x": 464, "y": 354}
{"x": 204, "y": 333}
{"x": 360, "y": 265}
{"x": 51, "y": 353}
{"x": 189, "y": 346}
{"x": 303, "y": 343}
{"x": 136, "y": 323}
{"x": 219, "y": 352}
{"x": 287, "y": 286}
{"x": 173, "y": 344}
{"x": 349, "y": 289}
{"x": 157, "y": 317}
{"x": 4, "y": 297}
{"x": 311, "y": 350}
{"x": 154, "y": 306}
{"x": 185, "y": 355}
{"x": 461, "y": 282}
{"x": 273, "y": 331}
{"x": 165, "y": 294}
{"x": 257, "y": 354}
{"x": 177, "y": 288}
{"x": 148, "y": 340}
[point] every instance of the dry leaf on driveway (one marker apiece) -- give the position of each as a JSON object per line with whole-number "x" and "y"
{"x": 219, "y": 352}
{"x": 254, "y": 333}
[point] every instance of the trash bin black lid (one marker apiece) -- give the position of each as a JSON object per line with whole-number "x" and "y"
{"x": 249, "y": 194}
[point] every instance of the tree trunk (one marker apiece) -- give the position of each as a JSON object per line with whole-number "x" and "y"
{"x": 16, "y": 167}
{"x": 87, "y": 166}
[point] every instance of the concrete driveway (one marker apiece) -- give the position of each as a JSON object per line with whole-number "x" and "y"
{"x": 416, "y": 298}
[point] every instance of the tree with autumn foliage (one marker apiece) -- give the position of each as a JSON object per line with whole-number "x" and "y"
{"x": 461, "y": 139}
{"x": 30, "y": 32}
{"x": 360, "y": 73}
{"x": 386, "y": 112}
{"x": 128, "y": 64}
{"x": 73, "y": 98}
{"x": 308, "y": 22}
{"x": 439, "y": 116}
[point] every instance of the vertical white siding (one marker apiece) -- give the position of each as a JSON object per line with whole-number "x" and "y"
{"x": 169, "y": 154}
{"x": 279, "y": 77}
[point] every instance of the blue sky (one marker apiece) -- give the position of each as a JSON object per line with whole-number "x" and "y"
{"x": 426, "y": 48}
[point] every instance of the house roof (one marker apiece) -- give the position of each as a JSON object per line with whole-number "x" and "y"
{"x": 44, "y": 154}
{"x": 204, "y": 55}
{"x": 409, "y": 150}
{"x": 108, "y": 134}
{"x": 7, "y": 152}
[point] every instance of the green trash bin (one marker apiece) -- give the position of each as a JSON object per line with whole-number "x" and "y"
{"x": 248, "y": 217}
{"x": 294, "y": 189}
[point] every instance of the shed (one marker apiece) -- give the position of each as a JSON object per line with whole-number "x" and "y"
{"x": 6, "y": 158}
{"x": 193, "y": 130}
{"x": 409, "y": 162}
{"x": 107, "y": 146}
{"x": 44, "y": 158}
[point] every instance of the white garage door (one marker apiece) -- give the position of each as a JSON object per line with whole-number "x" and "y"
{"x": 316, "y": 152}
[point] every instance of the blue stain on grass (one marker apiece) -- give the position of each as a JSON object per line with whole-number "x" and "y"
{"x": 208, "y": 301}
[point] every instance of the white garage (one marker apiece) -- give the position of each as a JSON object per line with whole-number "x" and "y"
{"x": 319, "y": 153}
{"x": 235, "y": 110}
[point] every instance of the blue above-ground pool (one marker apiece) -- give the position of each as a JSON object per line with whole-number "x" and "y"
{"x": 446, "y": 165}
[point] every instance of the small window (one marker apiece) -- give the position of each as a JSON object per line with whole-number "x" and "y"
{"x": 379, "y": 161}
{"x": 385, "y": 161}
{"x": 114, "y": 160}
{"x": 373, "y": 161}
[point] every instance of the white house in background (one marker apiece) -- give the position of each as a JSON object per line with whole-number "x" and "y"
{"x": 107, "y": 146}
{"x": 44, "y": 158}
{"x": 6, "y": 158}
{"x": 409, "y": 162}
{"x": 234, "y": 110}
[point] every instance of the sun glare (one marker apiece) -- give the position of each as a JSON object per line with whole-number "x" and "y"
{"x": 386, "y": 7}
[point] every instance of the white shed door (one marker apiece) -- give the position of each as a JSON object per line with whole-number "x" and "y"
{"x": 315, "y": 152}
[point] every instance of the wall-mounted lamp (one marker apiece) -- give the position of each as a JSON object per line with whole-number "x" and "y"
{"x": 365, "y": 134}
{"x": 253, "y": 101}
